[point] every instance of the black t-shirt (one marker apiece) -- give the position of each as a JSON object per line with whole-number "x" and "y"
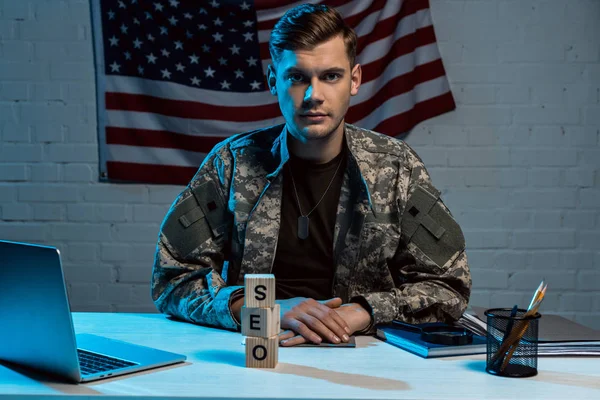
{"x": 305, "y": 267}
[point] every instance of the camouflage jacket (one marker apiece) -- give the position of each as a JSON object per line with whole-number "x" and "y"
{"x": 396, "y": 245}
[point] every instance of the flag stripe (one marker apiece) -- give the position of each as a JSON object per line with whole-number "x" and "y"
{"x": 150, "y": 121}
{"x": 176, "y": 91}
{"x": 149, "y": 173}
{"x": 154, "y": 155}
{"x": 274, "y": 9}
{"x": 422, "y": 111}
{"x": 189, "y": 109}
{"x": 264, "y": 5}
{"x": 171, "y": 140}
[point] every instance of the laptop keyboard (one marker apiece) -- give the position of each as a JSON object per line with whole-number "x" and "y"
{"x": 92, "y": 363}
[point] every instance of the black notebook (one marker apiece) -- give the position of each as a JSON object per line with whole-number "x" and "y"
{"x": 411, "y": 341}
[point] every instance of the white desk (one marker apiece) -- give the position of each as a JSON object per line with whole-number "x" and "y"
{"x": 372, "y": 370}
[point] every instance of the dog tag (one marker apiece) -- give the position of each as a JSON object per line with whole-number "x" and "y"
{"x": 303, "y": 227}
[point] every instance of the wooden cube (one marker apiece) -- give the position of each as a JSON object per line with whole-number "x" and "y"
{"x": 259, "y": 290}
{"x": 262, "y": 352}
{"x": 261, "y": 322}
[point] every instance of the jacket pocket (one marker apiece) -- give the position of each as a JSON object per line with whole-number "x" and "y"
{"x": 378, "y": 244}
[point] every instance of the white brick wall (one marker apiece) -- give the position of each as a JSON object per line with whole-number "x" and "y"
{"x": 518, "y": 161}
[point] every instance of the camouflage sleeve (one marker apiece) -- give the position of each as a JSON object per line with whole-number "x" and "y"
{"x": 429, "y": 268}
{"x": 187, "y": 278}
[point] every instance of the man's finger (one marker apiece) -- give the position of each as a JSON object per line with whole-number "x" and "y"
{"x": 340, "y": 322}
{"x": 301, "y": 328}
{"x": 332, "y": 303}
{"x": 286, "y": 335}
{"x": 312, "y": 319}
{"x": 336, "y": 302}
{"x": 329, "y": 323}
{"x": 294, "y": 341}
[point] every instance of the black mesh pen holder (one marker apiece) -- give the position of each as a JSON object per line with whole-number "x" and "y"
{"x": 507, "y": 355}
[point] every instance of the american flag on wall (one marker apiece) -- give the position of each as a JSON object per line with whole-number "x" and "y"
{"x": 175, "y": 77}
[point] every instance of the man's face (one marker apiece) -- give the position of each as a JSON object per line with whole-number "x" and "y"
{"x": 314, "y": 88}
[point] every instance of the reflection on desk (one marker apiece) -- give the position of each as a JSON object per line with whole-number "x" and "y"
{"x": 372, "y": 370}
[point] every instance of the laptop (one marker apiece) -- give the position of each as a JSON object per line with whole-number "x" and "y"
{"x": 37, "y": 329}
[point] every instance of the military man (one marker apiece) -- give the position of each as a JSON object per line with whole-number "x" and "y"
{"x": 346, "y": 219}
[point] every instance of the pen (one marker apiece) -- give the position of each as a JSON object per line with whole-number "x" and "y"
{"x": 536, "y": 301}
{"x": 517, "y": 332}
{"x": 509, "y": 327}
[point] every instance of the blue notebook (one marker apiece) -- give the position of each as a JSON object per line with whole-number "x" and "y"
{"x": 411, "y": 341}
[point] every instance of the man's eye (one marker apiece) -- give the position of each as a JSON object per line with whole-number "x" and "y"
{"x": 296, "y": 78}
{"x": 332, "y": 76}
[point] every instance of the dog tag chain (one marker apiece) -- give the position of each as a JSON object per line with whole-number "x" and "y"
{"x": 303, "y": 220}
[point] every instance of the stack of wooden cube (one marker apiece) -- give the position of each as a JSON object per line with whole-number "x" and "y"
{"x": 260, "y": 321}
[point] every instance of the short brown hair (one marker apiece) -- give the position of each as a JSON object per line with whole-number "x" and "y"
{"x": 307, "y": 25}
